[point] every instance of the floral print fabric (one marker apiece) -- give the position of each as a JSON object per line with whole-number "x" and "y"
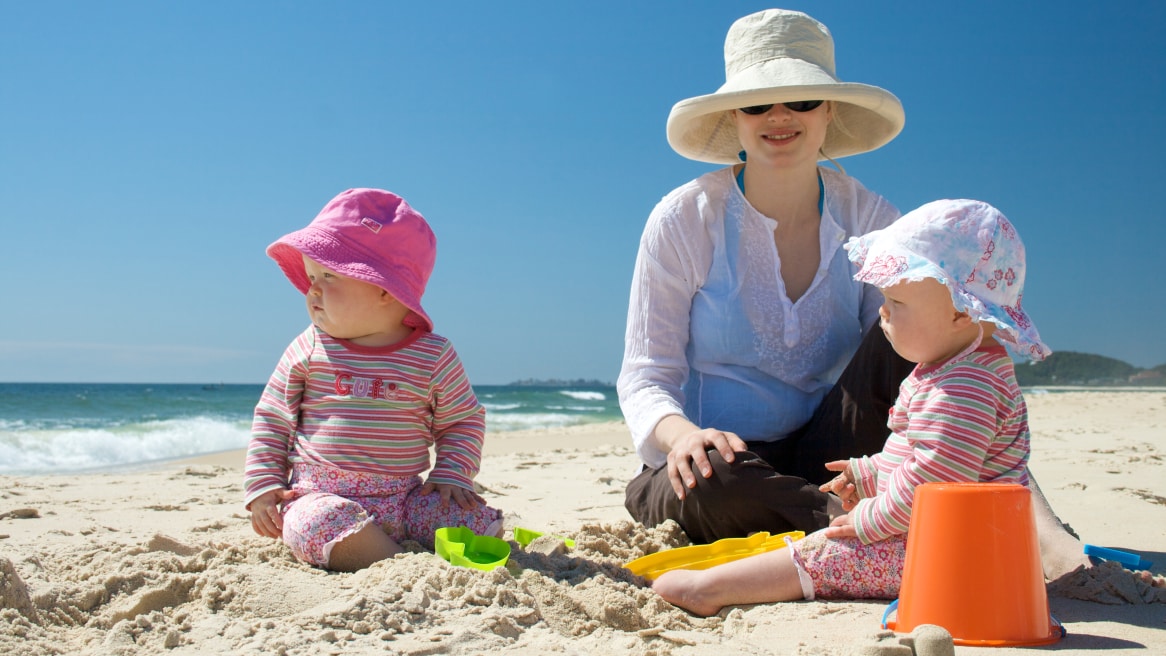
{"x": 845, "y": 568}
{"x": 331, "y": 504}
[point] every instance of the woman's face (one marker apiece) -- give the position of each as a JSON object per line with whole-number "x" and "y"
{"x": 782, "y": 137}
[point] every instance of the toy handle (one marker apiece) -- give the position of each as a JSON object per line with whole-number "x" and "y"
{"x": 892, "y": 607}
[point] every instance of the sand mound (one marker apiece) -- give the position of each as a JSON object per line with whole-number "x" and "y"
{"x": 1110, "y": 583}
{"x": 255, "y": 597}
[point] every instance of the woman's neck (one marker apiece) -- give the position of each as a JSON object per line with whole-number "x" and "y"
{"x": 785, "y": 195}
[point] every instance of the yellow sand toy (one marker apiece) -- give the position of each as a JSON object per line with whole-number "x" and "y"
{"x": 704, "y": 556}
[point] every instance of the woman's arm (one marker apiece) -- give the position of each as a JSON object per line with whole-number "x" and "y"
{"x": 672, "y": 264}
{"x": 670, "y": 267}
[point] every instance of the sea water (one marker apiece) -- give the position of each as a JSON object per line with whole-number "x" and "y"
{"x": 49, "y": 428}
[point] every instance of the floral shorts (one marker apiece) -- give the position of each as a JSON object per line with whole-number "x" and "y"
{"x": 845, "y": 568}
{"x": 330, "y": 504}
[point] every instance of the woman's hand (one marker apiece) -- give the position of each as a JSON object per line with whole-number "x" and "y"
{"x": 460, "y": 495}
{"x": 842, "y": 485}
{"x": 266, "y": 519}
{"x": 688, "y": 450}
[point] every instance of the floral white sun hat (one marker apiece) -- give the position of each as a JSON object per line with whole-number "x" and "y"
{"x": 967, "y": 245}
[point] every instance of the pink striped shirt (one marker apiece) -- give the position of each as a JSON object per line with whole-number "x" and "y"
{"x": 376, "y": 410}
{"x": 963, "y": 420}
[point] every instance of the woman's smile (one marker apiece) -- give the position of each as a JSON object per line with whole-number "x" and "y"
{"x": 781, "y": 136}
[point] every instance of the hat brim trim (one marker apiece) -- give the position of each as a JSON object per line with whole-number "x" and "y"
{"x": 289, "y": 251}
{"x": 702, "y": 128}
{"x": 1009, "y": 322}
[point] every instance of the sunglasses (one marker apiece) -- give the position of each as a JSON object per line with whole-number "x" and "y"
{"x": 797, "y": 106}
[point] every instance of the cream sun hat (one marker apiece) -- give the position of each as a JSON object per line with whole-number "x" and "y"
{"x": 776, "y": 56}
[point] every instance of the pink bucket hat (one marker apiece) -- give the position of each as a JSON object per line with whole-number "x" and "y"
{"x": 967, "y": 245}
{"x": 371, "y": 235}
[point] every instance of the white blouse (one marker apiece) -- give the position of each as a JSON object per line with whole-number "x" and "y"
{"x": 711, "y": 333}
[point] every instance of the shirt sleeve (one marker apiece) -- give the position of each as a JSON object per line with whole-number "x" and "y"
{"x": 865, "y": 470}
{"x": 671, "y": 264}
{"x": 459, "y": 423}
{"x": 275, "y": 422}
{"x": 949, "y": 432}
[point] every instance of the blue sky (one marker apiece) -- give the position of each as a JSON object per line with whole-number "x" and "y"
{"x": 150, "y": 151}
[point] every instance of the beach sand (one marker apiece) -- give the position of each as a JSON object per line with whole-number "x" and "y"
{"x": 163, "y": 560}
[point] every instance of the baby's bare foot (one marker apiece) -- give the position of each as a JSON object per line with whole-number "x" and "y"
{"x": 683, "y": 588}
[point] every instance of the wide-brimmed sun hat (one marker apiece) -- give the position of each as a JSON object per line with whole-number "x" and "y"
{"x": 371, "y": 235}
{"x": 967, "y": 245}
{"x": 777, "y": 56}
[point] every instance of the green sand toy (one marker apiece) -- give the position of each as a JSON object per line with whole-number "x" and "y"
{"x": 525, "y": 536}
{"x": 461, "y": 547}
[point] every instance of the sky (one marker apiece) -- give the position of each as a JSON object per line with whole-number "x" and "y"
{"x": 150, "y": 151}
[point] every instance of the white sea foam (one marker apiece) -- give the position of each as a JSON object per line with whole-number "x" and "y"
{"x": 517, "y": 421}
{"x": 63, "y": 450}
{"x": 584, "y": 395}
{"x": 575, "y": 408}
{"x": 501, "y": 407}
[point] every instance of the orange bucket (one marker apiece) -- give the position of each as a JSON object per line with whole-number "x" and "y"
{"x": 973, "y": 567}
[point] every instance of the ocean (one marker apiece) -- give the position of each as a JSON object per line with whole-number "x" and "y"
{"x": 62, "y": 428}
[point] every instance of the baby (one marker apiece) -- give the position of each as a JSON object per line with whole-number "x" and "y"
{"x": 952, "y": 275}
{"x": 358, "y": 398}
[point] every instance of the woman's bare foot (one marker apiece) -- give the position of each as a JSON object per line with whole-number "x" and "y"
{"x": 1061, "y": 553}
{"x": 684, "y": 588}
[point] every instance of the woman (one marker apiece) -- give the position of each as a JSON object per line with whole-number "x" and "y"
{"x": 750, "y": 359}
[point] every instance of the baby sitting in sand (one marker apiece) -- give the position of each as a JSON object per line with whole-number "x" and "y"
{"x": 358, "y": 398}
{"x": 952, "y": 275}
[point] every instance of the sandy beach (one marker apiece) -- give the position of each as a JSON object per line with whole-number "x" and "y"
{"x": 163, "y": 560}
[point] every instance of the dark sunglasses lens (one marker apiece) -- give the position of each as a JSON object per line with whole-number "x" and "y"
{"x": 804, "y": 105}
{"x": 757, "y": 109}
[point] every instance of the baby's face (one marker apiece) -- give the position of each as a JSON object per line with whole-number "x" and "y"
{"x": 919, "y": 319}
{"x": 343, "y": 307}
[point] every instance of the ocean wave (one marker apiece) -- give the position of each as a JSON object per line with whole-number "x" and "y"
{"x": 69, "y": 450}
{"x": 584, "y": 395}
{"x": 502, "y": 423}
{"x": 577, "y": 408}
{"x": 501, "y": 407}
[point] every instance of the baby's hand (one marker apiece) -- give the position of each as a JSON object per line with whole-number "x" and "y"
{"x": 841, "y": 527}
{"x": 266, "y": 519}
{"x": 842, "y": 485}
{"x": 463, "y": 497}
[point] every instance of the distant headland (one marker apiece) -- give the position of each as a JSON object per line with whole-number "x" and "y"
{"x": 1067, "y": 368}
{"x": 560, "y": 382}
{"x": 1071, "y": 368}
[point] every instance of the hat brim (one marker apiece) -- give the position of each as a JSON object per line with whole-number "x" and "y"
{"x": 319, "y": 246}
{"x": 702, "y": 128}
{"x": 882, "y": 268}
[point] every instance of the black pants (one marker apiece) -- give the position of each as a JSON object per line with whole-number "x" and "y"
{"x": 774, "y": 486}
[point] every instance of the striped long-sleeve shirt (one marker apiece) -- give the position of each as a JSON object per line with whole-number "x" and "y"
{"x": 376, "y": 410}
{"x": 961, "y": 421}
